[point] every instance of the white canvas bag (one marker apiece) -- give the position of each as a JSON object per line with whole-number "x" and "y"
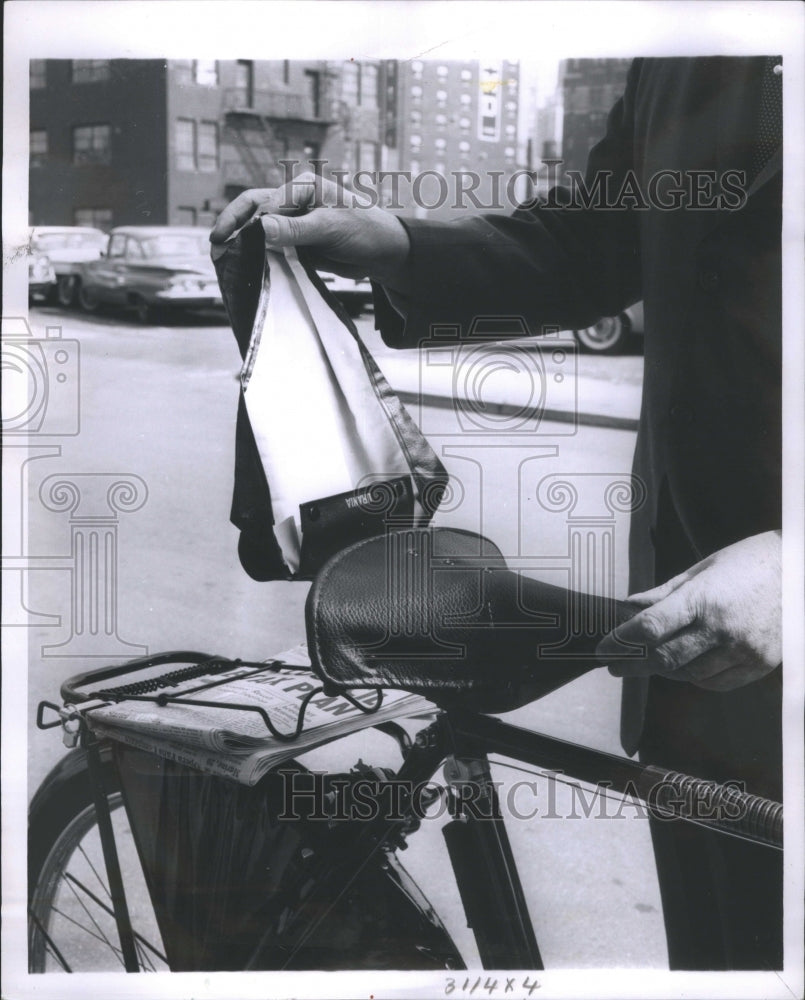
{"x": 326, "y": 424}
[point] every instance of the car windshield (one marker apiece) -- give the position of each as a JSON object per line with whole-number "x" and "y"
{"x": 175, "y": 245}
{"x": 69, "y": 241}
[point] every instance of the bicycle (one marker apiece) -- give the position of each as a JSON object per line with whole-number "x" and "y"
{"x": 319, "y": 885}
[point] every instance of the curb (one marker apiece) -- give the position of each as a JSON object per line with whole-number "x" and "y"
{"x": 508, "y": 409}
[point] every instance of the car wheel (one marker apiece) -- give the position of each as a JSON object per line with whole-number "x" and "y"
{"x": 608, "y": 336}
{"x": 142, "y": 310}
{"x": 87, "y": 299}
{"x": 65, "y": 290}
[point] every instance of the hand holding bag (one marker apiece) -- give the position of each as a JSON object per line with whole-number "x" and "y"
{"x": 326, "y": 452}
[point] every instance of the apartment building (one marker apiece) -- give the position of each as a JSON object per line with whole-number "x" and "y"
{"x": 145, "y": 141}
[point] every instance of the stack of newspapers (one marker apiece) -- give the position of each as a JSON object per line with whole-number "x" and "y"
{"x": 233, "y": 743}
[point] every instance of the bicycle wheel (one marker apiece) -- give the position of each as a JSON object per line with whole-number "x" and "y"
{"x": 70, "y": 918}
{"x": 233, "y": 885}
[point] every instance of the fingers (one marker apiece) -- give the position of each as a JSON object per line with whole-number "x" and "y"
{"x": 303, "y": 193}
{"x": 669, "y": 658}
{"x": 318, "y": 228}
{"x": 237, "y": 213}
{"x": 650, "y": 627}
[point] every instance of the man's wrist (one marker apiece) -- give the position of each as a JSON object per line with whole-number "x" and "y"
{"x": 392, "y": 268}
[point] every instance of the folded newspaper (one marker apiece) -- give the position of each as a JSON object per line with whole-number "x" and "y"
{"x": 233, "y": 743}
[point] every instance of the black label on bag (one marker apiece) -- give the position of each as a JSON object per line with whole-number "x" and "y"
{"x": 333, "y": 523}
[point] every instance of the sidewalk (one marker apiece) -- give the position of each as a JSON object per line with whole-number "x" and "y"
{"x": 568, "y": 386}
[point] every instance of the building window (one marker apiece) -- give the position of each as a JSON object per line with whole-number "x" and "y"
{"x": 466, "y": 100}
{"x": 367, "y": 155}
{"x": 38, "y": 74}
{"x": 465, "y": 124}
{"x": 313, "y": 82}
{"x": 441, "y": 73}
{"x": 311, "y": 151}
{"x": 183, "y": 71}
{"x": 441, "y": 98}
{"x": 185, "y": 216}
{"x": 351, "y": 84}
{"x": 416, "y": 117}
{"x": 441, "y": 145}
{"x": 205, "y": 72}
{"x": 100, "y": 218}
{"x": 185, "y": 144}
{"x": 511, "y": 130}
{"x": 464, "y": 146}
{"x": 369, "y": 86}
{"x": 416, "y": 93}
{"x": 90, "y": 70}
{"x": 208, "y": 147}
{"x": 416, "y": 69}
{"x": 38, "y": 147}
{"x": 466, "y": 76}
{"x": 244, "y": 83}
{"x": 441, "y": 120}
{"x": 92, "y": 144}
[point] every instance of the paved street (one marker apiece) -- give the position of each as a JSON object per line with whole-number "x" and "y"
{"x": 158, "y": 404}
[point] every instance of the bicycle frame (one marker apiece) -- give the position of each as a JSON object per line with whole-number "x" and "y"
{"x": 477, "y": 842}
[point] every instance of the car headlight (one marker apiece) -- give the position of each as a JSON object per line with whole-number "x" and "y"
{"x": 39, "y": 269}
{"x": 183, "y": 283}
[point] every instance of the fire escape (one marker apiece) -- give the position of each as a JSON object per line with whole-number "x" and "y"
{"x": 260, "y": 129}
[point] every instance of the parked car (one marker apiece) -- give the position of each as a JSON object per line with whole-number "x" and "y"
{"x": 355, "y": 295}
{"x": 611, "y": 334}
{"x": 151, "y": 268}
{"x": 41, "y": 276}
{"x": 67, "y": 248}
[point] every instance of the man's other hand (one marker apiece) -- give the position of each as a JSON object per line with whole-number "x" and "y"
{"x": 338, "y": 232}
{"x": 717, "y": 625}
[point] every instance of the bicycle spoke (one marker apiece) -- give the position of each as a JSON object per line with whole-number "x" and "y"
{"x": 146, "y": 962}
{"x": 88, "y": 930}
{"x": 72, "y": 882}
{"x": 94, "y": 871}
{"x": 49, "y": 942}
{"x": 107, "y": 909}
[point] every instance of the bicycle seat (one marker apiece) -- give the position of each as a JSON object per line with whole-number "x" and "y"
{"x": 438, "y": 612}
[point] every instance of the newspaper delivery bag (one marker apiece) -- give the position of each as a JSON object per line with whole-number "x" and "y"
{"x": 326, "y": 454}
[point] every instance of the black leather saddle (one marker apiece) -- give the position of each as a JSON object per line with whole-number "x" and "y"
{"x": 437, "y": 611}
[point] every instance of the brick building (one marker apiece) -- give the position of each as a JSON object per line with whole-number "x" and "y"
{"x": 132, "y": 141}
{"x": 451, "y": 116}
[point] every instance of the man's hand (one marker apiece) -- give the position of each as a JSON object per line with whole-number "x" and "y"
{"x": 717, "y": 625}
{"x": 338, "y": 233}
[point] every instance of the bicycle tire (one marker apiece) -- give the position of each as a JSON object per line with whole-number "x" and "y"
{"x": 382, "y": 922}
{"x": 71, "y": 926}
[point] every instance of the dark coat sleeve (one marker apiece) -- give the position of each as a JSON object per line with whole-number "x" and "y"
{"x": 554, "y": 263}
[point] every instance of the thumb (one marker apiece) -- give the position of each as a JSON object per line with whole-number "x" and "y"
{"x": 314, "y": 228}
